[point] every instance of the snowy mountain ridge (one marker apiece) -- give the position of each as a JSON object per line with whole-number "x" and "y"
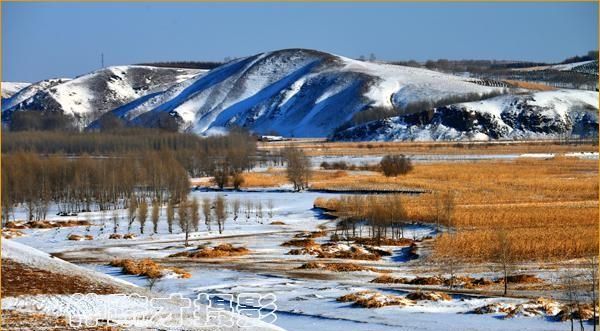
{"x": 539, "y": 115}
{"x": 88, "y": 96}
{"x": 294, "y": 92}
{"x": 307, "y": 93}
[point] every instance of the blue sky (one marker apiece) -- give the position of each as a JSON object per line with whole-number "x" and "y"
{"x": 44, "y": 40}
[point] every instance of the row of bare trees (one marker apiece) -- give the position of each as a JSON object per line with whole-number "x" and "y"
{"x": 41, "y": 168}
{"x": 580, "y": 287}
{"x": 85, "y": 183}
{"x": 385, "y": 216}
{"x": 189, "y": 213}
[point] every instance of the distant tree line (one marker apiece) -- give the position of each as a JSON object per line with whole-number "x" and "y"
{"x": 482, "y": 66}
{"x": 200, "y": 156}
{"x": 590, "y": 56}
{"x": 184, "y": 64}
{"x": 555, "y": 78}
{"x": 503, "y": 70}
{"x": 38, "y": 121}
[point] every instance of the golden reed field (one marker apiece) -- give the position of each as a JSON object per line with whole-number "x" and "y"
{"x": 548, "y": 209}
{"x": 315, "y": 147}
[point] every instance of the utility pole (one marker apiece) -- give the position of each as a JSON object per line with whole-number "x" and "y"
{"x": 101, "y": 60}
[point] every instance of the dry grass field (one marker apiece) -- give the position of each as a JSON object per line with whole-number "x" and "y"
{"x": 530, "y": 85}
{"x": 548, "y": 209}
{"x": 277, "y": 177}
{"x": 316, "y": 147}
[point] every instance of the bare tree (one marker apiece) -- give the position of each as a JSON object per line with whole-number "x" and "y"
{"x": 152, "y": 281}
{"x": 131, "y": 210}
{"x": 248, "y": 207}
{"x": 220, "y": 213}
{"x": 569, "y": 280}
{"x": 155, "y": 215}
{"x": 298, "y": 167}
{"x": 221, "y": 172}
{"x": 195, "y": 213}
{"x": 142, "y": 214}
{"x": 170, "y": 214}
{"x": 115, "y": 220}
{"x": 259, "y": 211}
{"x": 504, "y": 255}
{"x": 237, "y": 181}
{"x": 450, "y": 264}
{"x": 235, "y": 208}
{"x": 184, "y": 219}
{"x": 206, "y": 207}
{"x": 592, "y": 278}
{"x": 270, "y": 207}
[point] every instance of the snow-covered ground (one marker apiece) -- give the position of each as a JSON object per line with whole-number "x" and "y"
{"x": 303, "y": 304}
{"x": 134, "y": 307}
{"x": 305, "y": 299}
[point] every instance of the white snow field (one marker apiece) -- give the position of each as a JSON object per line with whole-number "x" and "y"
{"x": 306, "y": 300}
{"x": 134, "y": 308}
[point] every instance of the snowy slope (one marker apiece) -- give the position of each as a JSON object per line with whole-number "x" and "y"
{"x": 584, "y": 67}
{"x": 10, "y": 88}
{"x": 134, "y": 311}
{"x": 549, "y": 114}
{"x": 87, "y": 97}
{"x": 571, "y": 66}
{"x": 294, "y": 92}
{"x": 29, "y": 91}
{"x": 32, "y": 257}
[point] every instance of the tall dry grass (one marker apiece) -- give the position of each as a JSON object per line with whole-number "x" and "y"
{"x": 548, "y": 208}
{"x": 314, "y": 147}
{"x": 277, "y": 177}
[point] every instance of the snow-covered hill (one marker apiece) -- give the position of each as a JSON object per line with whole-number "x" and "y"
{"x": 306, "y": 93}
{"x": 549, "y": 114}
{"x": 294, "y": 92}
{"x": 10, "y": 88}
{"x": 89, "y": 96}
